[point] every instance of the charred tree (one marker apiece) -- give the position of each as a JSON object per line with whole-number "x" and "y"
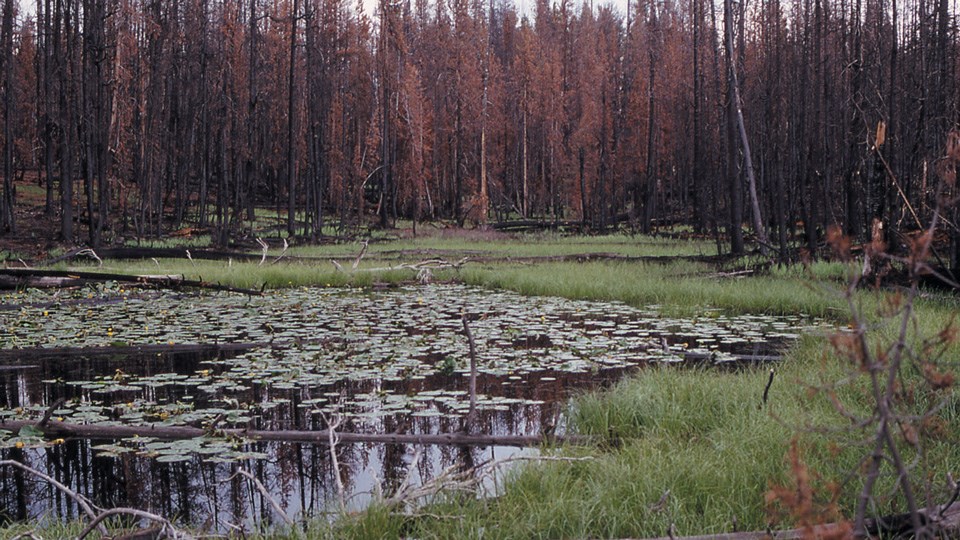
{"x": 7, "y": 222}
{"x": 736, "y": 112}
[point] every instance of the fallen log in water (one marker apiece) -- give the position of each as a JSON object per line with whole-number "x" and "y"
{"x": 63, "y": 430}
{"x": 34, "y": 353}
{"x": 12, "y": 278}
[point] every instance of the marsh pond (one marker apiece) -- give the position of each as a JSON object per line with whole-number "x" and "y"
{"x": 382, "y": 361}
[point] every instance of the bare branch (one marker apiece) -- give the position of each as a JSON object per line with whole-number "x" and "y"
{"x": 79, "y": 499}
{"x": 363, "y": 251}
{"x": 166, "y": 527}
{"x": 263, "y": 251}
{"x": 286, "y": 246}
{"x": 266, "y": 494}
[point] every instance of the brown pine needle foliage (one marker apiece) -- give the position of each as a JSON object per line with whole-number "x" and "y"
{"x": 803, "y": 504}
{"x": 839, "y": 243}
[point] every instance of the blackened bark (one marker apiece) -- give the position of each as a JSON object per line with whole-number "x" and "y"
{"x": 736, "y": 112}
{"x": 291, "y": 122}
{"x": 7, "y": 221}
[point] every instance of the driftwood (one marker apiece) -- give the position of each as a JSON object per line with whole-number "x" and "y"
{"x": 12, "y": 278}
{"x": 57, "y": 429}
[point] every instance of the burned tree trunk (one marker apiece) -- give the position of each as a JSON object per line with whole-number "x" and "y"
{"x": 736, "y": 113}
{"x": 7, "y": 222}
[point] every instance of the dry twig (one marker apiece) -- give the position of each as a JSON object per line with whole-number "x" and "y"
{"x": 333, "y": 439}
{"x": 79, "y": 499}
{"x": 286, "y": 246}
{"x": 167, "y": 529}
{"x": 263, "y": 251}
{"x": 91, "y": 253}
{"x": 266, "y": 495}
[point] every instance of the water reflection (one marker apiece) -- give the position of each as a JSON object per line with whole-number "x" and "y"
{"x": 209, "y": 494}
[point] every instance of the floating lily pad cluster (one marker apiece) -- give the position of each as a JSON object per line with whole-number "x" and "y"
{"x": 371, "y": 358}
{"x": 211, "y": 449}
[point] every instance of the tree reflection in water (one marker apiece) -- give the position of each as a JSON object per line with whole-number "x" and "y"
{"x": 206, "y": 493}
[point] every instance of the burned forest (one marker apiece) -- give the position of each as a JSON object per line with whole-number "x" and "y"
{"x": 771, "y": 119}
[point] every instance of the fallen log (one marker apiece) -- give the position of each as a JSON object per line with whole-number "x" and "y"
{"x": 39, "y": 353}
{"x": 532, "y": 224}
{"x": 945, "y": 523}
{"x": 157, "y": 253}
{"x": 30, "y": 277}
{"x": 818, "y": 531}
{"x": 736, "y": 358}
{"x": 63, "y": 430}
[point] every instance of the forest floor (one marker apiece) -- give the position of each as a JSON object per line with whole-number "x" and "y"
{"x": 37, "y": 233}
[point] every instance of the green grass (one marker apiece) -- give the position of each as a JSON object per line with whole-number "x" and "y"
{"x": 272, "y": 276}
{"x": 680, "y": 288}
{"x": 47, "y": 529}
{"x": 527, "y": 245}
